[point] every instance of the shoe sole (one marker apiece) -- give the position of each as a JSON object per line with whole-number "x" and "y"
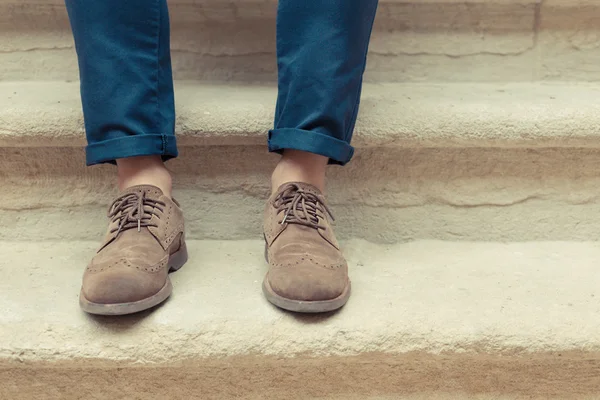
{"x": 308, "y": 307}
{"x": 176, "y": 261}
{"x": 300, "y": 306}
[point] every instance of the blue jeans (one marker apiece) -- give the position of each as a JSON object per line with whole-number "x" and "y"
{"x": 127, "y": 86}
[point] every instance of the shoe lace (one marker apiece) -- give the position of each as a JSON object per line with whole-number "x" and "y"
{"x": 130, "y": 210}
{"x": 301, "y": 207}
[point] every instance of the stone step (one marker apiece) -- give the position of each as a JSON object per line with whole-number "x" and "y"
{"x": 413, "y": 40}
{"x": 451, "y": 162}
{"x": 415, "y": 115}
{"x": 382, "y": 196}
{"x": 427, "y": 320}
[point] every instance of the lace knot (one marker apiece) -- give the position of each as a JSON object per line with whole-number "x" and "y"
{"x": 133, "y": 210}
{"x": 301, "y": 207}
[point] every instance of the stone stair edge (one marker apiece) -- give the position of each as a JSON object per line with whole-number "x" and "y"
{"x": 392, "y": 115}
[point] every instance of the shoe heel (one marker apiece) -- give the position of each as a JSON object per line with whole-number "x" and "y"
{"x": 179, "y": 258}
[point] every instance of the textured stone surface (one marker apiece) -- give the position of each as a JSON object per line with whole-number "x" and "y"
{"x": 392, "y": 115}
{"x": 384, "y": 195}
{"x": 433, "y": 297}
{"x": 412, "y": 41}
{"x": 430, "y": 319}
{"x": 414, "y": 376}
{"x": 451, "y": 162}
{"x": 569, "y": 48}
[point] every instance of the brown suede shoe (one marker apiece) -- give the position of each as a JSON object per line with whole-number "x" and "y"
{"x": 307, "y": 271}
{"x": 145, "y": 241}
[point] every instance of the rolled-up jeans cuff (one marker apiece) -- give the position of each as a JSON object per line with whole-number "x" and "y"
{"x": 108, "y": 151}
{"x": 338, "y": 151}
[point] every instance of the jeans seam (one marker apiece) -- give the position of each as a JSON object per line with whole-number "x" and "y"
{"x": 157, "y": 76}
{"x": 364, "y": 65}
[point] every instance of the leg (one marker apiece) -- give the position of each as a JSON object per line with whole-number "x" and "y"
{"x": 321, "y": 49}
{"x": 127, "y": 97}
{"x": 126, "y": 86}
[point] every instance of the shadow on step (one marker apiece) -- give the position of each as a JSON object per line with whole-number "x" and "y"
{"x": 122, "y": 323}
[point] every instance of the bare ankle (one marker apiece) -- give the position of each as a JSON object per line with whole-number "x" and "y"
{"x": 144, "y": 170}
{"x": 300, "y": 166}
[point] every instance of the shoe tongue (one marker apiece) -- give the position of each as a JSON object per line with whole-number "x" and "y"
{"x": 307, "y": 187}
{"x": 151, "y": 191}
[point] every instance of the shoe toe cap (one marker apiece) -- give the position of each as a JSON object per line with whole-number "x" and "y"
{"x": 120, "y": 285}
{"x": 307, "y": 282}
